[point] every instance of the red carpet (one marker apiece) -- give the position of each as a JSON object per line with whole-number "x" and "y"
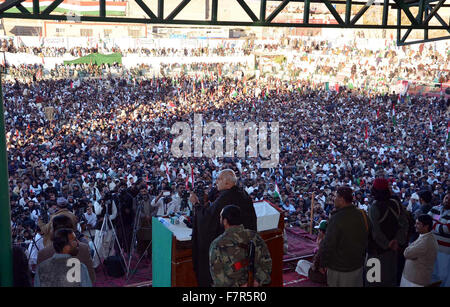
{"x": 300, "y": 245}
{"x": 293, "y": 279}
{"x": 143, "y": 273}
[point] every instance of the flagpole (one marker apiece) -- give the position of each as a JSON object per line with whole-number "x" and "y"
{"x": 312, "y": 214}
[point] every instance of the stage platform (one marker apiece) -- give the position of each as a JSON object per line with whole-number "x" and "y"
{"x": 301, "y": 245}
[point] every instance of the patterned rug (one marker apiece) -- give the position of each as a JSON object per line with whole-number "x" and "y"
{"x": 300, "y": 243}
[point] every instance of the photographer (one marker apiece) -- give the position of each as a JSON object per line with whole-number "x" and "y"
{"x": 90, "y": 221}
{"x": 107, "y": 204}
{"x": 183, "y": 195}
{"x": 166, "y": 203}
{"x": 34, "y": 247}
{"x": 206, "y": 221}
{"x": 104, "y": 241}
{"x": 144, "y": 229}
{"x": 126, "y": 216}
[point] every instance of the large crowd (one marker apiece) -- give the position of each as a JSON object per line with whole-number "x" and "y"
{"x": 360, "y": 65}
{"x": 119, "y": 130}
{"x": 91, "y": 138}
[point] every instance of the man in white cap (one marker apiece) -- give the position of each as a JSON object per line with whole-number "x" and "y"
{"x": 395, "y": 188}
{"x": 413, "y": 203}
{"x": 365, "y": 205}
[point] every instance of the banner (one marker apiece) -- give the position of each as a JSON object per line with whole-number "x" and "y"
{"x": 83, "y": 8}
{"x": 161, "y": 254}
{"x": 97, "y": 59}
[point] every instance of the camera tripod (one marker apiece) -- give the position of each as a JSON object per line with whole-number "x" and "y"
{"x": 107, "y": 226}
{"x": 83, "y": 218}
{"x": 136, "y": 226}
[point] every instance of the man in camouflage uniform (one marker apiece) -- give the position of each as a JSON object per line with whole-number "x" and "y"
{"x": 229, "y": 253}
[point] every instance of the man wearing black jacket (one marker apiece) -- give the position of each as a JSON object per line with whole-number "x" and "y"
{"x": 206, "y": 221}
{"x": 126, "y": 216}
{"x": 343, "y": 249}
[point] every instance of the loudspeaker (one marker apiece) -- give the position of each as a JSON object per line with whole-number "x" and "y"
{"x": 114, "y": 266}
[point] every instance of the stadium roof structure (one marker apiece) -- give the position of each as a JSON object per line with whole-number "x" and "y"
{"x": 426, "y": 19}
{"x": 427, "y": 16}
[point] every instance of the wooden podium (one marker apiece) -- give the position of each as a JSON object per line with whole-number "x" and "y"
{"x": 182, "y": 271}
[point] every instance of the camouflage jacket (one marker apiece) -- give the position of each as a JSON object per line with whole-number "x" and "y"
{"x": 228, "y": 258}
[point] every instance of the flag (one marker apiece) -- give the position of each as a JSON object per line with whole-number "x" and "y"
{"x": 431, "y": 124}
{"x": 394, "y": 120}
{"x": 167, "y": 172}
{"x": 378, "y": 113}
{"x": 192, "y": 176}
{"x": 366, "y": 136}
{"x": 448, "y": 133}
{"x": 277, "y": 192}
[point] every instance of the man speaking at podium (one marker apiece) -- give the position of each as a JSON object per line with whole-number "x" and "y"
{"x": 207, "y": 225}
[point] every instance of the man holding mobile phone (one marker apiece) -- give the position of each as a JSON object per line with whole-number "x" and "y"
{"x": 166, "y": 203}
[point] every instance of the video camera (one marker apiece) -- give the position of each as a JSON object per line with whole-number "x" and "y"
{"x": 17, "y": 215}
{"x": 184, "y": 200}
{"x": 78, "y": 210}
{"x": 43, "y": 212}
{"x": 199, "y": 190}
{"x": 167, "y": 197}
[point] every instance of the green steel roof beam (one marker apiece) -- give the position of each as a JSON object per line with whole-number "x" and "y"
{"x": 36, "y": 8}
{"x": 262, "y": 11}
{"x": 333, "y": 12}
{"x": 406, "y": 10}
{"x": 146, "y": 9}
{"x": 348, "y": 11}
{"x": 362, "y": 11}
{"x": 385, "y": 12}
{"x": 178, "y": 9}
{"x": 9, "y": 4}
{"x": 214, "y": 9}
{"x": 306, "y": 11}
{"x": 160, "y": 9}
{"x": 52, "y": 7}
{"x": 21, "y": 8}
{"x": 248, "y": 10}
{"x": 424, "y": 41}
{"x": 433, "y": 11}
{"x": 277, "y": 11}
{"x": 102, "y": 8}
